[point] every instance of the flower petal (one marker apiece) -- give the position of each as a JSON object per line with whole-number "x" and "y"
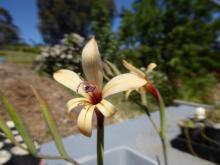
{"x": 106, "y": 108}
{"x": 151, "y": 67}
{"x": 133, "y": 69}
{"x": 77, "y": 102}
{"x": 84, "y": 121}
{"x": 92, "y": 64}
{"x": 121, "y": 83}
{"x": 71, "y": 80}
{"x": 143, "y": 96}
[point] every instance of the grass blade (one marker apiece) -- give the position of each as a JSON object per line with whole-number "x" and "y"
{"x": 50, "y": 122}
{"x": 6, "y": 130}
{"x": 19, "y": 124}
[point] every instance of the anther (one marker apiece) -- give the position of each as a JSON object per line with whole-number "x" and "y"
{"x": 87, "y": 87}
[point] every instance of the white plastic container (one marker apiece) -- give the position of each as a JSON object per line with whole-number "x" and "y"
{"x": 120, "y": 156}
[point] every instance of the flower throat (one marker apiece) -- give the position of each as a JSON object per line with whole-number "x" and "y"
{"x": 92, "y": 90}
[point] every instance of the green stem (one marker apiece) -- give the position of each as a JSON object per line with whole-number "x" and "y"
{"x": 162, "y": 127}
{"x": 100, "y": 138}
{"x": 147, "y": 113}
{"x": 164, "y": 151}
{"x": 161, "y": 131}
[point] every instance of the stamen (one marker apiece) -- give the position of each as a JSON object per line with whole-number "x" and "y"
{"x": 87, "y": 87}
{"x": 92, "y": 91}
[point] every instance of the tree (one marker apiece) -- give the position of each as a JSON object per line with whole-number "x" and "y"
{"x": 60, "y": 17}
{"x": 8, "y": 31}
{"x": 182, "y": 36}
{"x": 102, "y": 14}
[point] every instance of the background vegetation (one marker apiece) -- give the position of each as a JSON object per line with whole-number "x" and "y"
{"x": 181, "y": 36}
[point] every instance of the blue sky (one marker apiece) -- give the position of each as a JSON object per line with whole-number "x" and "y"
{"x": 24, "y": 13}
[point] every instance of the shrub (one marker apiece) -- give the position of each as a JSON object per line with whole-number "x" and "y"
{"x": 197, "y": 88}
{"x": 66, "y": 55}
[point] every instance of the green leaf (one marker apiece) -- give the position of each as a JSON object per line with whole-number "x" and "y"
{"x": 50, "y": 122}
{"x": 6, "y": 129}
{"x": 19, "y": 124}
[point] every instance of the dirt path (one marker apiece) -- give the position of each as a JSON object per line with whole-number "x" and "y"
{"x": 14, "y": 83}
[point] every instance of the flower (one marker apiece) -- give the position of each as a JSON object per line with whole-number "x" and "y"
{"x": 94, "y": 96}
{"x": 144, "y": 76}
{"x": 200, "y": 113}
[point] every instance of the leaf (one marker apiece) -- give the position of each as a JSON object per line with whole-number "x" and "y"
{"x": 19, "y": 124}
{"x": 50, "y": 122}
{"x": 6, "y": 129}
{"x": 113, "y": 67}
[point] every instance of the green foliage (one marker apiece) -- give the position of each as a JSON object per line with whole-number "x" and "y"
{"x": 19, "y": 124}
{"x": 60, "y": 17}
{"x": 21, "y": 48}
{"x": 160, "y": 80}
{"x": 197, "y": 88}
{"x": 101, "y": 27}
{"x": 18, "y": 57}
{"x": 6, "y": 130}
{"x": 51, "y": 123}
{"x": 65, "y": 55}
{"x": 214, "y": 116}
{"x": 188, "y": 123}
{"x": 8, "y": 31}
{"x": 181, "y": 36}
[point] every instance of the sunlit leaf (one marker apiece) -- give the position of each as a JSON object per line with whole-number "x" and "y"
{"x": 50, "y": 122}
{"x": 19, "y": 124}
{"x": 6, "y": 130}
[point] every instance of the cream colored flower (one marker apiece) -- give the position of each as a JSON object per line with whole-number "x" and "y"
{"x": 144, "y": 76}
{"x": 94, "y": 96}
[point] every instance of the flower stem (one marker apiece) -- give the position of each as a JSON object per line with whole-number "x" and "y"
{"x": 100, "y": 137}
{"x": 162, "y": 127}
{"x": 162, "y": 132}
{"x": 164, "y": 151}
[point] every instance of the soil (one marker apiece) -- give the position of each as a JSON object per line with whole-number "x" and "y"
{"x": 14, "y": 83}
